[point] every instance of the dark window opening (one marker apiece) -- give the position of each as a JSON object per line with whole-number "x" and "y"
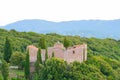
{"x": 73, "y": 52}
{"x": 74, "y": 47}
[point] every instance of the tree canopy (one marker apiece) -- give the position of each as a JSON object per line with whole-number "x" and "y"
{"x": 103, "y": 61}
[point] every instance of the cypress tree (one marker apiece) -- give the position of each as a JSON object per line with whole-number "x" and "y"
{"x": 27, "y": 66}
{"x": 37, "y": 67}
{"x": 46, "y": 54}
{"x": 38, "y": 62}
{"x": 39, "y": 57}
{"x": 66, "y": 43}
{"x": 7, "y": 50}
{"x": 5, "y": 70}
{"x": 42, "y": 43}
{"x": 53, "y": 54}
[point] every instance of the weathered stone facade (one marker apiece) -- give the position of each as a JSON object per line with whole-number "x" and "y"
{"x": 71, "y": 54}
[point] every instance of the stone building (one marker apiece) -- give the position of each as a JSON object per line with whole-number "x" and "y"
{"x": 71, "y": 54}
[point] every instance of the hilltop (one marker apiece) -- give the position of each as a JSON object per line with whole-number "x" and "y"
{"x": 103, "y": 61}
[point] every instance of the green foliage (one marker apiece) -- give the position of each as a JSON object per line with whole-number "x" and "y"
{"x": 18, "y": 79}
{"x": 104, "y": 67}
{"x": 36, "y": 77}
{"x": 57, "y": 69}
{"x": 5, "y": 70}
{"x": 66, "y": 42}
{"x": 46, "y": 54}
{"x": 39, "y": 57}
{"x": 38, "y": 67}
{"x": 38, "y": 62}
{"x": 82, "y": 71}
{"x": 18, "y": 59}
{"x": 103, "y": 61}
{"x": 54, "y": 70}
{"x": 53, "y": 54}
{"x": 7, "y": 50}
{"x": 42, "y": 43}
{"x": 27, "y": 66}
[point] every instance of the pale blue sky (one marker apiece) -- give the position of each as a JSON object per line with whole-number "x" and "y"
{"x": 58, "y": 10}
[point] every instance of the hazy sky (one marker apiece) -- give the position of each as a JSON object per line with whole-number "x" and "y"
{"x": 58, "y": 10}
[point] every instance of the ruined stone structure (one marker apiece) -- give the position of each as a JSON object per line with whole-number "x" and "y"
{"x": 71, "y": 54}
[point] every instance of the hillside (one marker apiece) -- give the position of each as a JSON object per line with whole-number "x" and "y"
{"x": 85, "y": 28}
{"x": 103, "y": 56}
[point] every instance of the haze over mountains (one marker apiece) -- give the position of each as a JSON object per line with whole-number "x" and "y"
{"x": 84, "y": 28}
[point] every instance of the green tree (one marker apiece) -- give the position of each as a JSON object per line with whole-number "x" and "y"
{"x": 46, "y": 54}
{"x": 5, "y": 70}
{"x": 39, "y": 61}
{"x": 53, "y": 54}
{"x": 66, "y": 42}
{"x": 18, "y": 59}
{"x": 42, "y": 43}
{"x": 37, "y": 66}
{"x": 7, "y": 50}
{"x": 54, "y": 70}
{"x": 39, "y": 57}
{"x": 27, "y": 66}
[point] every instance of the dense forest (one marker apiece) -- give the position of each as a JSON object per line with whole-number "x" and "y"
{"x": 103, "y": 61}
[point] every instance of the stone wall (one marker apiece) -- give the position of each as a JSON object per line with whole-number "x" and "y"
{"x": 32, "y": 53}
{"x": 71, "y": 54}
{"x": 75, "y": 53}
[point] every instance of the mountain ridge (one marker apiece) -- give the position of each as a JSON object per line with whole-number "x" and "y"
{"x": 84, "y": 28}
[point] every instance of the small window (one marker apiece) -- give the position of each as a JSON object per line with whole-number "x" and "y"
{"x": 73, "y": 52}
{"x": 74, "y": 47}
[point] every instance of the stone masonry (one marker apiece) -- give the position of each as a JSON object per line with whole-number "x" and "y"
{"x": 71, "y": 54}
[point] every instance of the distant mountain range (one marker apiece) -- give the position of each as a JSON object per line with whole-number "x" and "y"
{"x": 84, "y": 28}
